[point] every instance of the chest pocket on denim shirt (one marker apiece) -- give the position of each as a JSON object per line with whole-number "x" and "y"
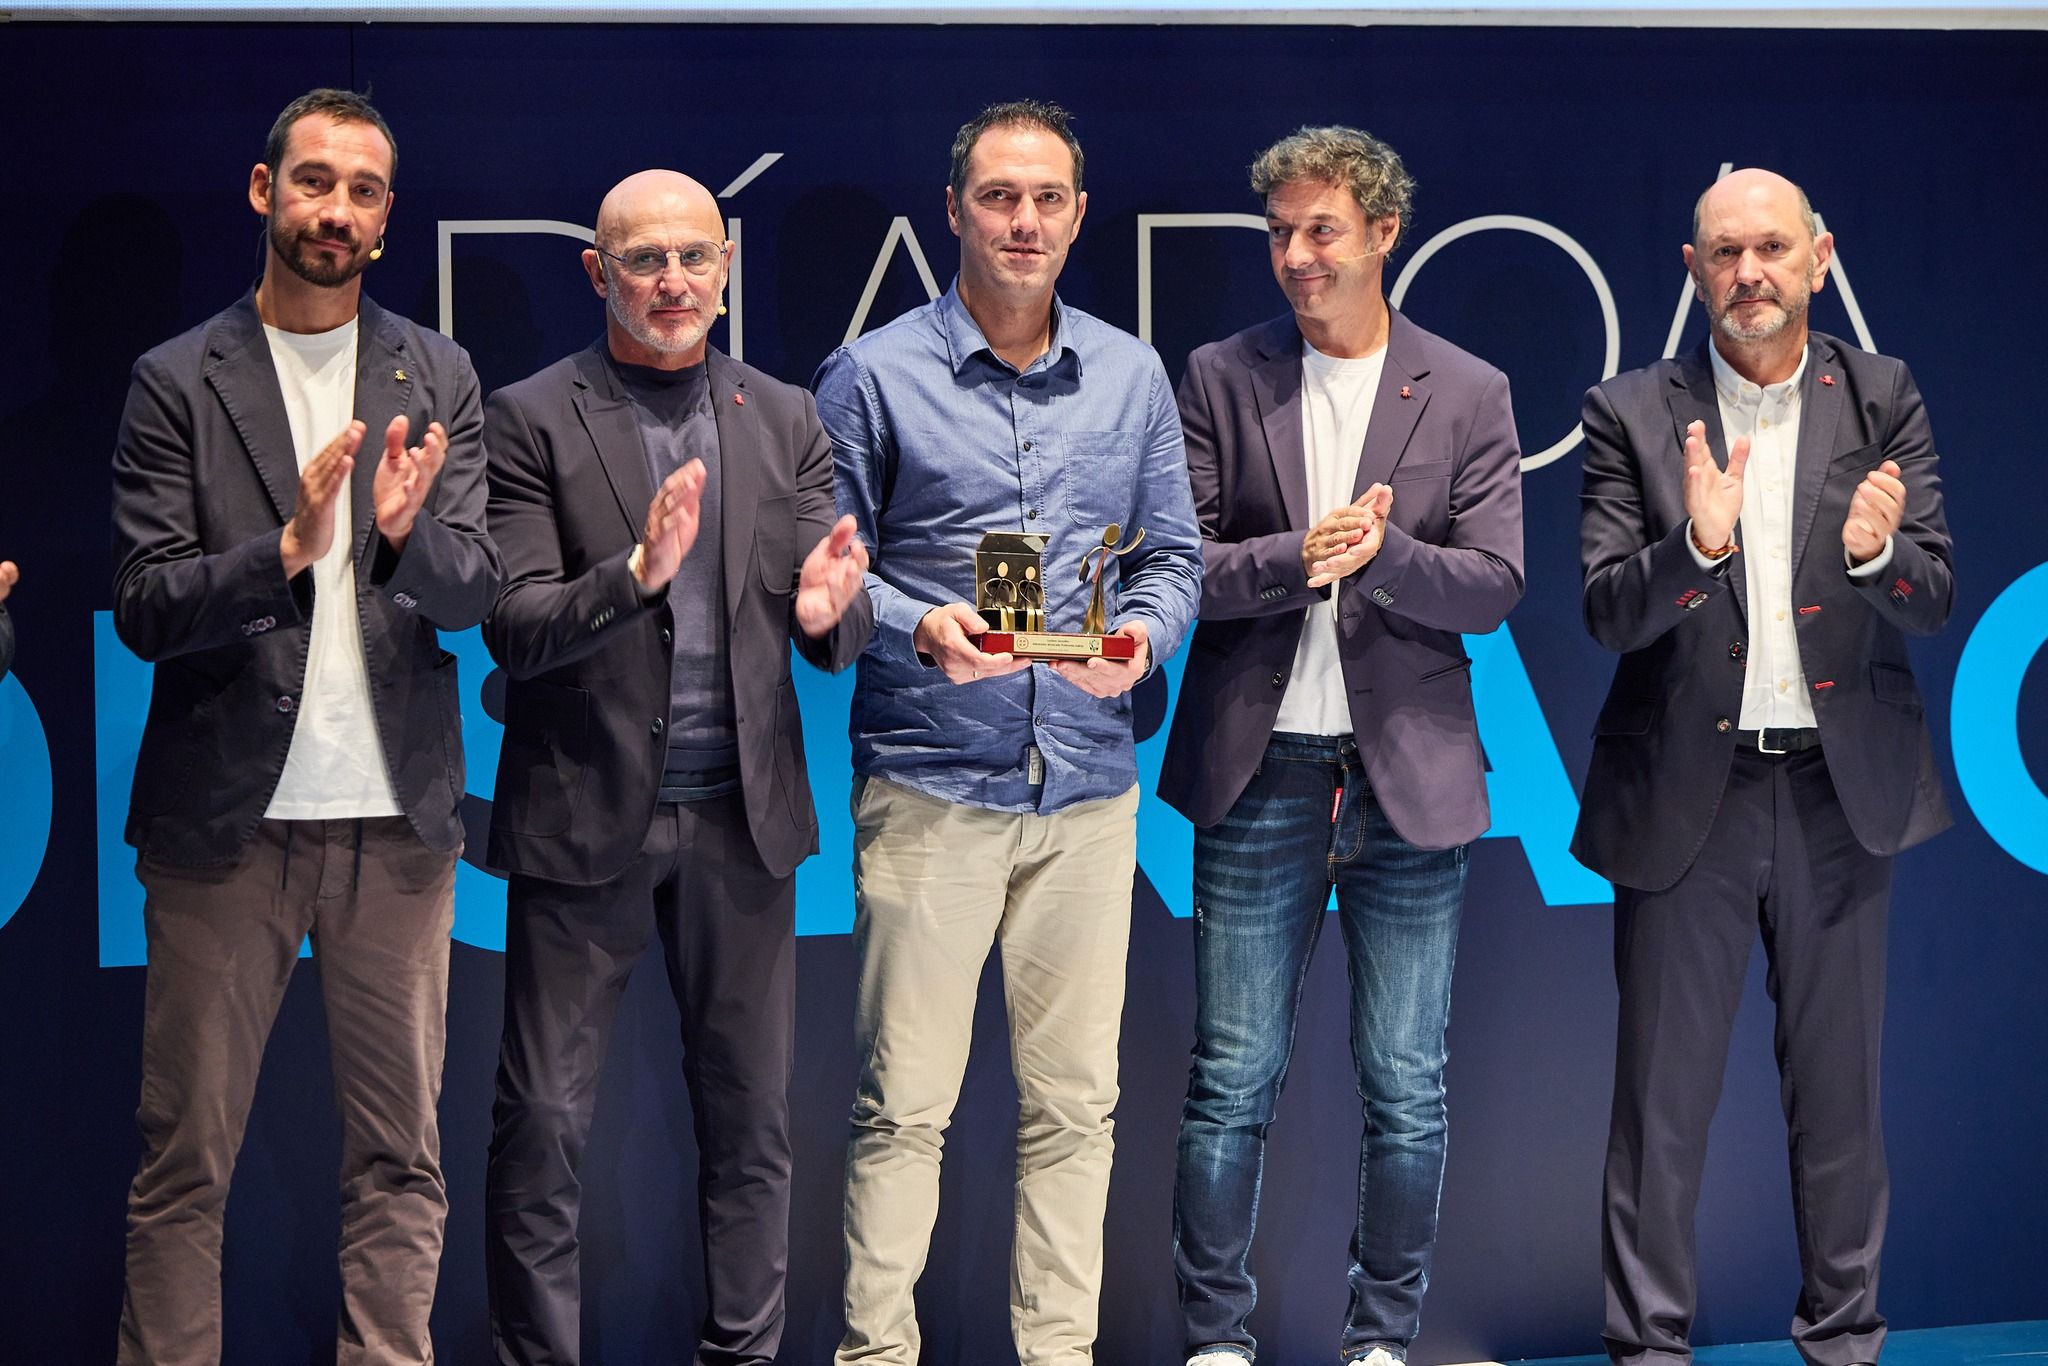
{"x": 1098, "y": 471}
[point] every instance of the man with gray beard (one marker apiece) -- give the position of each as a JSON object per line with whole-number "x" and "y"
{"x": 1761, "y": 755}
{"x": 665, "y": 514}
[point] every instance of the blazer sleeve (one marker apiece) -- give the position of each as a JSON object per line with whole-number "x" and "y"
{"x": 449, "y": 569}
{"x": 1917, "y": 589}
{"x": 1258, "y": 576}
{"x": 541, "y": 620}
{"x": 172, "y": 597}
{"x": 1636, "y": 585}
{"x": 816, "y": 512}
{"x": 1473, "y": 579}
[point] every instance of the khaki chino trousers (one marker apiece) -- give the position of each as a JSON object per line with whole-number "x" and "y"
{"x": 937, "y": 885}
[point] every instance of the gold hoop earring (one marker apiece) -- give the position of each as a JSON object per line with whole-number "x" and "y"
{"x": 377, "y": 252}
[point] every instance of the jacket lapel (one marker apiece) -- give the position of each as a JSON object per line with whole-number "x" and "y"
{"x": 1693, "y": 399}
{"x": 1396, "y": 408}
{"x": 608, "y": 418}
{"x": 243, "y": 377}
{"x": 385, "y": 381}
{"x": 1276, "y": 388}
{"x": 739, "y": 472}
{"x": 1820, "y": 415}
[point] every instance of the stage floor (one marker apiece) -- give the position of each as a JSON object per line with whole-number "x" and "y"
{"x": 1980, "y": 1344}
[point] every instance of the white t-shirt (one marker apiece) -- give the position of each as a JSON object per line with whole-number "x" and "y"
{"x": 335, "y": 769}
{"x": 1336, "y": 409}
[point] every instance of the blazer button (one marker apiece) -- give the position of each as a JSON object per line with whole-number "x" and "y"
{"x": 285, "y": 704}
{"x": 1722, "y": 725}
{"x": 1279, "y": 680}
{"x": 667, "y": 635}
{"x": 1735, "y": 650}
{"x": 656, "y": 728}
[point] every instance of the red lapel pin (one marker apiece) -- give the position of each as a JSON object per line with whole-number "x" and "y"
{"x": 1828, "y": 380}
{"x": 1405, "y": 393}
{"x": 740, "y": 399}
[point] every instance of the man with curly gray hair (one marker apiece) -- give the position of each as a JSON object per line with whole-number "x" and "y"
{"x": 1358, "y": 486}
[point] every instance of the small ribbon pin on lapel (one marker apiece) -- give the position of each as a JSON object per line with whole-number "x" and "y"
{"x": 740, "y": 399}
{"x": 1405, "y": 392}
{"x": 1828, "y": 380}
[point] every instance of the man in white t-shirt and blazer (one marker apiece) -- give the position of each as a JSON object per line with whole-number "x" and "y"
{"x": 285, "y": 554}
{"x": 1358, "y": 486}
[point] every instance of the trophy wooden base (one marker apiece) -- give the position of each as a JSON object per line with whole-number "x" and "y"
{"x": 1057, "y": 645}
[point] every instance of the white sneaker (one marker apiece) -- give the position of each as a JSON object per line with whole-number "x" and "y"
{"x": 1378, "y": 1356}
{"x": 1219, "y": 1358}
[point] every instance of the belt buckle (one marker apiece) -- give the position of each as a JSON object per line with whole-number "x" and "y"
{"x": 1763, "y": 742}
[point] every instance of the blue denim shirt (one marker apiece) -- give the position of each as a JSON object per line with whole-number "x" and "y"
{"x": 936, "y": 441}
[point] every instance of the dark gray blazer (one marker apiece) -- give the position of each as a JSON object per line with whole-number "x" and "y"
{"x": 1443, "y": 436}
{"x": 587, "y": 709}
{"x": 205, "y": 478}
{"x": 1665, "y": 738}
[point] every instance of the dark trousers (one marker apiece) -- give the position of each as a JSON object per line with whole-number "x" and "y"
{"x": 1781, "y": 857}
{"x": 727, "y": 930}
{"x": 222, "y": 945}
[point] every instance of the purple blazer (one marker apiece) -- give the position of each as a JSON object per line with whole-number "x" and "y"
{"x": 1443, "y": 437}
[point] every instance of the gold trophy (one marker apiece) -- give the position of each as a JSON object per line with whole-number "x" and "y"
{"x": 1009, "y": 576}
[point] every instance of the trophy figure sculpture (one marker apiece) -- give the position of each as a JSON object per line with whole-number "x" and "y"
{"x": 1009, "y": 576}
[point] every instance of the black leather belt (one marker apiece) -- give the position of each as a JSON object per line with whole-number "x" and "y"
{"x": 1779, "y": 741}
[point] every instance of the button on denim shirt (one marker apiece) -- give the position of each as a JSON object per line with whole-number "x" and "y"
{"x": 935, "y": 441}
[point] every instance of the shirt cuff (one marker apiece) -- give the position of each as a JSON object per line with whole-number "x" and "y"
{"x": 1871, "y": 568}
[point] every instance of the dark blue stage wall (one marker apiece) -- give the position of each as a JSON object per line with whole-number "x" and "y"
{"x": 1557, "y": 170}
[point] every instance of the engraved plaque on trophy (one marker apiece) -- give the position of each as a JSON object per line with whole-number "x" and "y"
{"x": 1009, "y": 576}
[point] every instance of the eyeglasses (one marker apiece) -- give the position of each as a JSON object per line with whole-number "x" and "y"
{"x": 647, "y": 262}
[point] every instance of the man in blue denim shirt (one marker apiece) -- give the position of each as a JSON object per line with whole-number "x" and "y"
{"x": 996, "y": 802}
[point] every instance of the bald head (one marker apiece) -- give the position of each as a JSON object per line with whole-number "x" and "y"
{"x": 649, "y": 197}
{"x": 660, "y": 264}
{"x": 1756, "y": 260}
{"x": 1749, "y": 188}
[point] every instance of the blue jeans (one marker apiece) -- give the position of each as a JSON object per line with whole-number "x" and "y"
{"x": 1263, "y": 875}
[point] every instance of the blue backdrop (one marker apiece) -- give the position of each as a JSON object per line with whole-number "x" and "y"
{"x": 1557, "y": 169}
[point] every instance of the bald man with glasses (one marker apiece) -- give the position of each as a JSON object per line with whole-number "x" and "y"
{"x": 666, "y": 518}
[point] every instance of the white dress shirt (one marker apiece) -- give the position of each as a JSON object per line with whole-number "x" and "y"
{"x": 1775, "y": 694}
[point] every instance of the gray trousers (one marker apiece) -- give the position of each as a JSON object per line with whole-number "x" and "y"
{"x": 222, "y": 944}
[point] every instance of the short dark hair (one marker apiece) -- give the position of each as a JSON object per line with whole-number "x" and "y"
{"x": 1012, "y": 114}
{"x": 343, "y": 106}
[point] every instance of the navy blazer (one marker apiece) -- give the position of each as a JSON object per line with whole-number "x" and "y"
{"x": 1443, "y": 437}
{"x": 586, "y": 713}
{"x": 205, "y": 477}
{"x": 1665, "y": 738}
